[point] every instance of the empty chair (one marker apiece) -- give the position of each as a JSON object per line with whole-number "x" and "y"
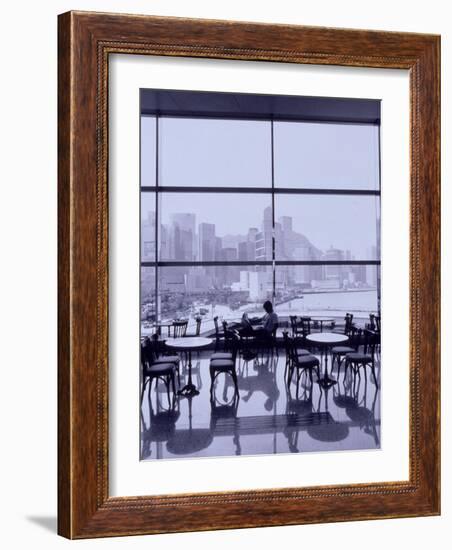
{"x": 357, "y": 360}
{"x": 230, "y": 342}
{"x": 338, "y": 353}
{"x": 226, "y": 366}
{"x": 288, "y": 346}
{"x": 163, "y": 371}
{"x": 218, "y": 333}
{"x": 347, "y": 326}
{"x": 179, "y": 329}
{"x": 305, "y": 325}
{"x": 149, "y": 351}
{"x": 301, "y": 362}
{"x": 295, "y": 326}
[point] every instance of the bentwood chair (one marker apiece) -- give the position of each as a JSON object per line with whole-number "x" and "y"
{"x": 179, "y": 329}
{"x": 229, "y": 344}
{"x": 288, "y": 346}
{"x": 149, "y": 351}
{"x": 163, "y": 371}
{"x": 338, "y": 353}
{"x": 218, "y": 334}
{"x": 357, "y": 360}
{"x": 301, "y": 363}
{"x": 226, "y": 365}
{"x": 297, "y": 331}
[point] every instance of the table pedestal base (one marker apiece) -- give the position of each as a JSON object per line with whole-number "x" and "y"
{"x": 188, "y": 391}
{"x": 326, "y": 382}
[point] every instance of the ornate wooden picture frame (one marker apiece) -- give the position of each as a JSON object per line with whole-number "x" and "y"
{"x": 86, "y": 40}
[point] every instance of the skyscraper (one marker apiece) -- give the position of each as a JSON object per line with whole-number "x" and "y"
{"x": 183, "y": 244}
{"x": 207, "y": 242}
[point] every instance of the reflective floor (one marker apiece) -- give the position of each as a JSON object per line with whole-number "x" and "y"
{"x": 267, "y": 418}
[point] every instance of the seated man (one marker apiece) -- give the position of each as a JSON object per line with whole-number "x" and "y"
{"x": 269, "y": 321}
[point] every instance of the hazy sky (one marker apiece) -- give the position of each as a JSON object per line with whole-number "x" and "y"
{"x": 238, "y": 153}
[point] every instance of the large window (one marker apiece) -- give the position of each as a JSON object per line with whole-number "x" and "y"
{"x": 235, "y": 211}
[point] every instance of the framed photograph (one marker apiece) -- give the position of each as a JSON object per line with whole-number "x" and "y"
{"x": 248, "y": 275}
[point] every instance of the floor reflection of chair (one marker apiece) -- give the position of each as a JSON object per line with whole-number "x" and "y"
{"x": 302, "y": 403}
{"x": 264, "y": 380}
{"x": 162, "y": 423}
{"x": 355, "y": 405}
{"x": 226, "y": 413}
{"x": 191, "y": 440}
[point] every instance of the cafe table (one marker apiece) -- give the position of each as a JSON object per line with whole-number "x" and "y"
{"x": 325, "y": 341}
{"x": 188, "y": 344}
{"x": 321, "y": 319}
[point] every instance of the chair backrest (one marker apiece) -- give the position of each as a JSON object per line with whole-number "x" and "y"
{"x": 354, "y": 337}
{"x": 293, "y": 323}
{"x": 378, "y": 323}
{"x": 217, "y": 328}
{"x": 305, "y": 324}
{"x": 370, "y": 341}
{"x": 198, "y": 325}
{"x": 232, "y": 342}
{"x": 348, "y": 322}
{"x": 179, "y": 329}
{"x": 148, "y": 354}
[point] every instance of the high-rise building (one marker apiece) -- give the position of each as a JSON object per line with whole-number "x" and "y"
{"x": 334, "y": 273}
{"x": 207, "y": 242}
{"x": 183, "y": 244}
{"x": 148, "y": 238}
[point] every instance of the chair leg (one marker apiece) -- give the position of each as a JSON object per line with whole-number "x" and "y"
{"x": 212, "y": 380}
{"x": 234, "y": 379}
{"x": 339, "y": 360}
{"x": 173, "y": 382}
{"x": 143, "y": 389}
{"x": 374, "y": 376}
{"x": 346, "y": 369}
{"x": 167, "y": 384}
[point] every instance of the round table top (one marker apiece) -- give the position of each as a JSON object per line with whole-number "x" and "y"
{"x": 321, "y": 318}
{"x": 189, "y": 343}
{"x": 327, "y": 338}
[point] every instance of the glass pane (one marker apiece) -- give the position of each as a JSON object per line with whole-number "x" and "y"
{"x": 330, "y": 156}
{"x": 223, "y": 291}
{"x": 214, "y": 152}
{"x": 147, "y": 151}
{"x": 215, "y": 227}
{"x": 330, "y": 291}
{"x": 327, "y": 227}
{"x": 148, "y": 227}
{"x": 147, "y": 314}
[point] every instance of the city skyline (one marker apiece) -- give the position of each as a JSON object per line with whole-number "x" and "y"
{"x": 183, "y": 239}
